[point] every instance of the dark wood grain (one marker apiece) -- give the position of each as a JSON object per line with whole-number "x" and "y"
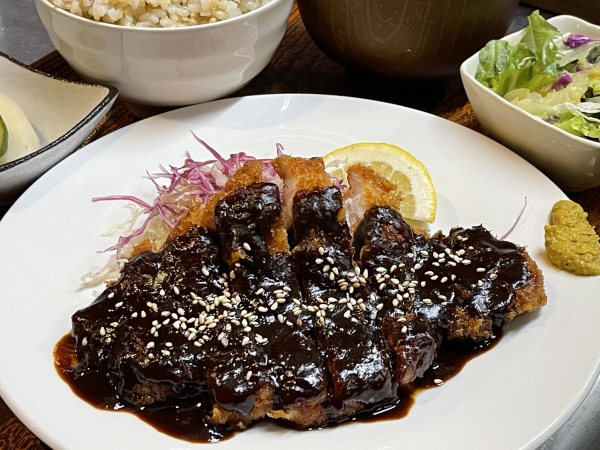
{"x": 297, "y": 67}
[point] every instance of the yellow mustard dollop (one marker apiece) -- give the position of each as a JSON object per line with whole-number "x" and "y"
{"x": 571, "y": 242}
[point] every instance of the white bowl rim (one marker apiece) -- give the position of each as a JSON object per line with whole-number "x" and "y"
{"x": 463, "y": 70}
{"x": 212, "y": 25}
{"x": 110, "y": 96}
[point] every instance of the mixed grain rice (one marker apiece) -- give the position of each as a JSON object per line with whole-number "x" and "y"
{"x": 158, "y": 13}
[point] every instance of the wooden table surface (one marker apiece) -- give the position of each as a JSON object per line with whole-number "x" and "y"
{"x": 297, "y": 67}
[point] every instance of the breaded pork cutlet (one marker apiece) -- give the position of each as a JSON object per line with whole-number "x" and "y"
{"x": 358, "y": 366}
{"x": 283, "y": 377}
{"x": 463, "y": 284}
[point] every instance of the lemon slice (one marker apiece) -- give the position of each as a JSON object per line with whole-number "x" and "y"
{"x": 3, "y": 137}
{"x": 398, "y": 166}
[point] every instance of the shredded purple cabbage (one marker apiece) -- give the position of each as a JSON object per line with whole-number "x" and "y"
{"x": 563, "y": 80}
{"x": 577, "y": 40}
{"x": 505, "y": 235}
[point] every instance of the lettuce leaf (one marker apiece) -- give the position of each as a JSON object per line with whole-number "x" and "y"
{"x": 531, "y": 64}
{"x": 576, "y": 123}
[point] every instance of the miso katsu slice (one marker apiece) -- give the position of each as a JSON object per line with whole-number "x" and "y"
{"x": 463, "y": 285}
{"x": 144, "y": 329}
{"x": 359, "y": 369}
{"x": 386, "y": 245}
{"x": 285, "y": 378}
{"x": 367, "y": 189}
{"x": 492, "y": 281}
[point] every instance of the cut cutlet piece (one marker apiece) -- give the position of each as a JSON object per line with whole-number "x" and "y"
{"x": 491, "y": 280}
{"x": 285, "y": 377}
{"x": 135, "y": 330}
{"x": 368, "y": 189}
{"x": 359, "y": 369}
{"x": 299, "y": 174}
{"x": 203, "y": 214}
{"x": 468, "y": 308}
{"x": 386, "y": 245}
{"x": 463, "y": 285}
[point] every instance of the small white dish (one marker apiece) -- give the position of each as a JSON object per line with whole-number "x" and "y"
{"x": 570, "y": 161}
{"x": 63, "y": 114}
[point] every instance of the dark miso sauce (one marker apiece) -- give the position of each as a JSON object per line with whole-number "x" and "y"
{"x": 185, "y": 420}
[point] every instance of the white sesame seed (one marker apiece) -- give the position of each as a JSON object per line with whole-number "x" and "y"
{"x": 479, "y": 283}
{"x": 245, "y": 340}
{"x": 418, "y": 266}
{"x": 438, "y": 381}
{"x": 205, "y": 271}
{"x": 493, "y": 276}
{"x": 111, "y": 295}
{"x": 118, "y": 305}
{"x": 480, "y": 269}
{"x": 262, "y": 309}
{"x": 247, "y": 246}
{"x": 150, "y": 344}
{"x": 379, "y": 307}
{"x": 102, "y": 331}
{"x": 347, "y": 314}
{"x": 427, "y": 301}
{"x": 330, "y": 260}
{"x": 84, "y": 341}
{"x": 165, "y": 352}
{"x": 248, "y": 375}
{"x": 321, "y": 250}
{"x": 114, "y": 324}
{"x": 404, "y": 329}
{"x": 466, "y": 262}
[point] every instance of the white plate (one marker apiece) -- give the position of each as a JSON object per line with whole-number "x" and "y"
{"x": 512, "y": 397}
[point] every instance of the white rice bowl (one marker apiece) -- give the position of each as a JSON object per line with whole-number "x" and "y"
{"x": 158, "y": 13}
